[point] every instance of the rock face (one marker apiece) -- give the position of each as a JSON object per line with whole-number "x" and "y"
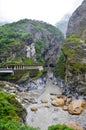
{"x": 74, "y": 51}
{"x": 77, "y": 22}
{"x": 32, "y": 39}
{"x": 30, "y": 51}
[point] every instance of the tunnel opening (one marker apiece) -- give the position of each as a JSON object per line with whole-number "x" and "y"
{"x": 51, "y": 65}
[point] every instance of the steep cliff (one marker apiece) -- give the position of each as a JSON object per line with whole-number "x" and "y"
{"x": 77, "y": 22}
{"x": 74, "y": 50}
{"x": 29, "y": 41}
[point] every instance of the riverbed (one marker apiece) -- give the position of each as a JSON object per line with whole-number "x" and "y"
{"x": 47, "y": 114}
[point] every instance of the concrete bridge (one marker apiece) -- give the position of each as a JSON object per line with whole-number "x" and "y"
{"x": 11, "y": 69}
{"x": 5, "y": 70}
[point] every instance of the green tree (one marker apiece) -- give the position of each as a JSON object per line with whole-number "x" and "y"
{"x": 60, "y": 66}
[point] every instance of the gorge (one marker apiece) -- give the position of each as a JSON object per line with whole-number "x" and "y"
{"x": 53, "y": 95}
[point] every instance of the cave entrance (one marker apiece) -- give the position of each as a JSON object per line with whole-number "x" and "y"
{"x": 51, "y": 65}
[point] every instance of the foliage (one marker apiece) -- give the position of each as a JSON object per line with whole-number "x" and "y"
{"x": 9, "y": 125}
{"x": 10, "y": 107}
{"x": 78, "y": 68}
{"x": 28, "y": 128}
{"x": 39, "y": 45}
{"x": 20, "y": 74}
{"x": 73, "y": 51}
{"x": 11, "y": 113}
{"x": 59, "y": 127}
{"x": 8, "y": 110}
{"x": 14, "y": 37}
{"x": 70, "y": 46}
{"x": 60, "y": 66}
{"x": 14, "y": 125}
{"x": 29, "y": 61}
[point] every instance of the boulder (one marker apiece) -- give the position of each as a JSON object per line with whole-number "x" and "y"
{"x": 59, "y": 96}
{"x": 53, "y": 98}
{"x": 58, "y": 102}
{"x": 68, "y": 100}
{"x": 65, "y": 108}
{"x": 33, "y": 109}
{"x": 77, "y": 106}
{"x": 44, "y": 101}
{"x": 54, "y": 103}
{"x": 73, "y": 125}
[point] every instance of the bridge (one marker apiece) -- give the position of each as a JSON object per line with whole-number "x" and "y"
{"x": 11, "y": 69}
{"x": 5, "y": 70}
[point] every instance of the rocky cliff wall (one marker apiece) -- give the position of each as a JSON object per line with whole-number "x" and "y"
{"x": 74, "y": 50}
{"x": 77, "y": 22}
{"x": 30, "y": 39}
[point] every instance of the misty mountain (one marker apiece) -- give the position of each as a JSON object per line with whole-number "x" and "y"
{"x": 3, "y": 21}
{"x": 62, "y": 24}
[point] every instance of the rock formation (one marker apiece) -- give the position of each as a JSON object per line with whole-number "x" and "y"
{"x": 74, "y": 51}
{"x": 77, "y": 22}
{"x": 32, "y": 39}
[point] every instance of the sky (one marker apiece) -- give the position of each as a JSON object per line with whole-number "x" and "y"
{"x": 50, "y": 11}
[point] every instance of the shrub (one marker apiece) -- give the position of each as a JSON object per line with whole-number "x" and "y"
{"x": 60, "y": 66}
{"x": 59, "y": 127}
{"x": 11, "y": 113}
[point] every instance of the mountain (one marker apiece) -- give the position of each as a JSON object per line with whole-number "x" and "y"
{"x": 3, "y": 21}
{"x": 63, "y": 23}
{"x": 77, "y": 22}
{"x": 29, "y": 42}
{"x": 74, "y": 52}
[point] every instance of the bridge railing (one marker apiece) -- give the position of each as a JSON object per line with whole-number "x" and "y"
{"x": 12, "y": 69}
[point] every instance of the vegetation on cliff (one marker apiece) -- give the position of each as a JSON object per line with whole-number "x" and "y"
{"x": 71, "y": 57}
{"x": 71, "y": 65}
{"x": 60, "y": 67}
{"x": 28, "y": 42}
{"x": 12, "y": 114}
{"x": 74, "y": 54}
{"x": 17, "y": 36}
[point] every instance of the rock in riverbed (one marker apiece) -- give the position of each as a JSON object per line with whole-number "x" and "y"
{"x": 76, "y": 106}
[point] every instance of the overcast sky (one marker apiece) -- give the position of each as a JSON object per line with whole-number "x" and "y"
{"x": 49, "y": 11}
